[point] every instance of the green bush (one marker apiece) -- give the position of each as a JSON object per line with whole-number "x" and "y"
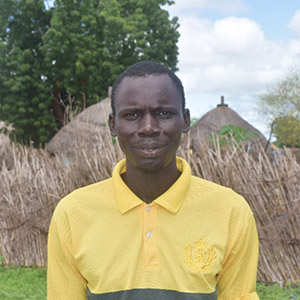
{"x": 231, "y": 134}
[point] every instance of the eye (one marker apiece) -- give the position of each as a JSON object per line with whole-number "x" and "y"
{"x": 165, "y": 114}
{"x": 131, "y": 115}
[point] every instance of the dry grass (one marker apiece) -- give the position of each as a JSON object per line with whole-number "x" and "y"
{"x": 33, "y": 183}
{"x": 30, "y": 188}
{"x": 272, "y": 190}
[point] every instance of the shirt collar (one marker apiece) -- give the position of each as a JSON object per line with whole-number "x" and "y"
{"x": 171, "y": 200}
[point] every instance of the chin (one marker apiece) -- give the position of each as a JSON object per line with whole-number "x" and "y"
{"x": 149, "y": 167}
{"x": 152, "y": 165}
{"x": 149, "y": 170}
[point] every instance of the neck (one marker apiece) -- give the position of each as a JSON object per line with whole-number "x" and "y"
{"x": 149, "y": 186}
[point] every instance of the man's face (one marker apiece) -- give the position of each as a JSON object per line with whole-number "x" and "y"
{"x": 149, "y": 121}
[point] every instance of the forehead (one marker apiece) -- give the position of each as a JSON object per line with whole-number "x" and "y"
{"x": 151, "y": 89}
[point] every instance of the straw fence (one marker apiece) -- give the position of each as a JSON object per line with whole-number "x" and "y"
{"x": 32, "y": 182}
{"x": 272, "y": 189}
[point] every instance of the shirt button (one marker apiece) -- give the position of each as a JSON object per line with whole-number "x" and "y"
{"x": 148, "y": 208}
{"x": 149, "y": 235}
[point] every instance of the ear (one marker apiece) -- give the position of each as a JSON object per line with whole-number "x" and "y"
{"x": 112, "y": 125}
{"x": 187, "y": 120}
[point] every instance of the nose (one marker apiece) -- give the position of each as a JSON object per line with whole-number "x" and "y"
{"x": 148, "y": 126}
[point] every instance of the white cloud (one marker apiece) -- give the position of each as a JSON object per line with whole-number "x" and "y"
{"x": 294, "y": 24}
{"x": 230, "y": 55}
{"x": 222, "y": 6}
{"x": 236, "y": 35}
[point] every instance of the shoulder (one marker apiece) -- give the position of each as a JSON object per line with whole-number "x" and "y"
{"x": 220, "y": 199}
{"x": 221, "y": 207}
{"x": 85, "y": 199}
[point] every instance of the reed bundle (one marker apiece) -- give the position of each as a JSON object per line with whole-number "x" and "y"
{"x": 34, "y": 182}
{"x": 272, "y": 189}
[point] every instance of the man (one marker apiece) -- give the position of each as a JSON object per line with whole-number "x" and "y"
{"x": 152, "y": 231}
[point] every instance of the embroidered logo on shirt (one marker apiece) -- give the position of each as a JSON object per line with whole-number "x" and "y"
{"x": 199, "y": 256}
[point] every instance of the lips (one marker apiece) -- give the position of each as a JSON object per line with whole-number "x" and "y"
{"x": 149, "y": 150}
{"x": 149, "y": 146}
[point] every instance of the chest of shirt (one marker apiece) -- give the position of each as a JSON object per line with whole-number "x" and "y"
{"x": 149, "y": 247}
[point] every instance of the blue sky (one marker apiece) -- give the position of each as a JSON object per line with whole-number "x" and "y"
{"x": 273, "y": 16}
{"x": 235, "y": 48}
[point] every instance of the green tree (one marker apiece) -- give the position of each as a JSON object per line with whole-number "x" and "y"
{"x": 287, "y": 131}
{"x": 25, "y": 98}
{"x": 91, "y": 42}
{"x": 280, "y": 105}
{"x": 77, "y": 49}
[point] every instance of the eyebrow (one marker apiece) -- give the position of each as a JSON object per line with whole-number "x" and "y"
{"x": 159, "y": 107}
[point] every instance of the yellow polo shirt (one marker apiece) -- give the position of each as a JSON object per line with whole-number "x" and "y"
{"x": 196, "y": 241}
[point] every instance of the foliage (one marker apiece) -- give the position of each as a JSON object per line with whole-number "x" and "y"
{"x": 275, "y": 292}
{"x": 287, "y": 131}
{"x": 91, "y": 42}
{"x": 231, "y": 134}
{"x": 22, "y": 283}
{"x": 281, "y": 105}
{"x": 75, "y": 48}
{"x": 25, "y": 97}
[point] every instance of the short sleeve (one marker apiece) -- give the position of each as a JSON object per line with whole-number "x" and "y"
{"x": 237, "y": 280}
{"x": 64, "y": 280}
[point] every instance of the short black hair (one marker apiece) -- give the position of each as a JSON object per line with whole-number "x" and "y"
{"x": 142, "y": 69}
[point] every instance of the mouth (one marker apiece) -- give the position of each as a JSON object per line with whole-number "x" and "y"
{"x": 149, "y": 151}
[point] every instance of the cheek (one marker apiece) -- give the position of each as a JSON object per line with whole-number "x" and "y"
{"x": 122, "y": 139}
{"x": 125, "y": 130}
{"x": 174, "y": 131}
{"x": 125, "y": 138}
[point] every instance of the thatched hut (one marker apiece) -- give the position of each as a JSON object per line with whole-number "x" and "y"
{"x": 84, "y": 131}
{"x": 215, "y": 119}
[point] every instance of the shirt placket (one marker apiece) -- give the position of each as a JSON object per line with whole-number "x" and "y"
{"x": 150, "y": 236}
